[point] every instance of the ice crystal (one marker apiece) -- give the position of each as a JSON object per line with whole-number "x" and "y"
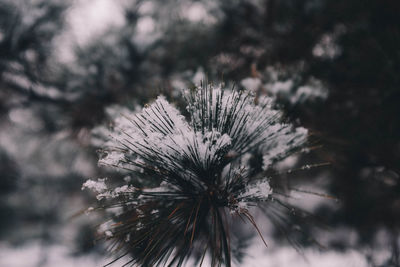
{"x": 189, "y": 172}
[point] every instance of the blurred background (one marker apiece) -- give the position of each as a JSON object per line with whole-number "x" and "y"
{"x": 67, "y": 67}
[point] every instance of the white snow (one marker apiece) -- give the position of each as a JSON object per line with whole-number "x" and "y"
{"x": 256, "y": 256}
{"x": 252, "y": 84}
{"x": 280, "y": 146}
{"x": 280, "y": 87}
{"x": 260, "y": 190}
{"x": 112, "y": 158}
{"x": 98, "y": 186}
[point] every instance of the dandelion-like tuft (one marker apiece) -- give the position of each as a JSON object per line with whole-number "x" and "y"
{"x": 189, "y": 175}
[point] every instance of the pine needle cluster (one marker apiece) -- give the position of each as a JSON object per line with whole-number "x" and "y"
{"x": 189, "y": 176}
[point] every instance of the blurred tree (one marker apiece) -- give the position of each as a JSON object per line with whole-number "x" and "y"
{"x": 26, "y": 31}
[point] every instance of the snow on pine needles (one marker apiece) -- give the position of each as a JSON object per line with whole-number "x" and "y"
{"x": 188, "y": 176}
